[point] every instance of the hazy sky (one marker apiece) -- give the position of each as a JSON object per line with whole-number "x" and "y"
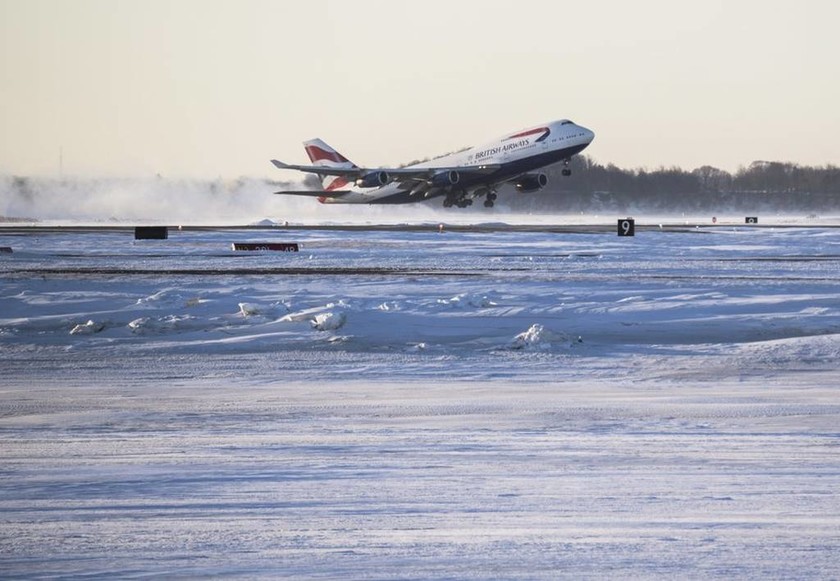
{"x": 204, "y": 88}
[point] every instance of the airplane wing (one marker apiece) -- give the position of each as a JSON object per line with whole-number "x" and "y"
{"x": 399, "y": 174}
{"x": 419, "y": 182}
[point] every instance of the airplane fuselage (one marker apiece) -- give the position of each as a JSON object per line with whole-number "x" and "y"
{"x": 461, "y": 177}
{"x": 516, "y": 154}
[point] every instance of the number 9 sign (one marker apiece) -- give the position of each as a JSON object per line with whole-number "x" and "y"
{"x": 627, "y": 227}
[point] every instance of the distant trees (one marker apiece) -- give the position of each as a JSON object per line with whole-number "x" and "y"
{"x": 762, "y": 186}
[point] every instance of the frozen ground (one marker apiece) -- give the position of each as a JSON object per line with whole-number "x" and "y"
{"x": 419, "y": 405}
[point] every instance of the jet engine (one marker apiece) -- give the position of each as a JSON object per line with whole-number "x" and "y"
{"x": 531, "y": 182}
{"x": 445, "y": 178}
{"x": 373, "y": 179}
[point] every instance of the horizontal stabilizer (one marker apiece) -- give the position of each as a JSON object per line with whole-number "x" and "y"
{"x": 322, "y": 170}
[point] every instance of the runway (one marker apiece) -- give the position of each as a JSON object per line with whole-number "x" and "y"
{"x": 404, "y": 403}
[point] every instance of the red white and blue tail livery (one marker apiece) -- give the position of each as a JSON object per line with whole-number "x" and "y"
{"x": 459, "y": 177}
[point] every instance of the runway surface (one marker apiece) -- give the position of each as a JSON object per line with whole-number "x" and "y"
{"x": 398, "y": 402}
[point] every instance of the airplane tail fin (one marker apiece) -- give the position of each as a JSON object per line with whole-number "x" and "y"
{"x": 322, "y": 154}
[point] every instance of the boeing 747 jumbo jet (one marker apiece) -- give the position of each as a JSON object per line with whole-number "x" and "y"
{"x": 458, "y": 177}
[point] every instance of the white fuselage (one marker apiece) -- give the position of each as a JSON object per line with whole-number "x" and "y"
{"x": 511, "y": 155}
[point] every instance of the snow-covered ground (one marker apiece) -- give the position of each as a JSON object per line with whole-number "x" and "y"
{"x": 392, "y": 404}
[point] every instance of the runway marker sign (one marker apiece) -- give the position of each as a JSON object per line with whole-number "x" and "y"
{"x": 151, "y": 233}
{"x": 627, "y": 227}
{"x": 272, "y": 246}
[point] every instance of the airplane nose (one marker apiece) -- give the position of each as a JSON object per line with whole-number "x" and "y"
{"x": 589, "y": 134}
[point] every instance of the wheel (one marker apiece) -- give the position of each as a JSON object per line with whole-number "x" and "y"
{"x": 488, "y": 203}
{"x": 566, "y": 172}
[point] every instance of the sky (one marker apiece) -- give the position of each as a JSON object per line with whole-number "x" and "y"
{"x": 211, "y": 88}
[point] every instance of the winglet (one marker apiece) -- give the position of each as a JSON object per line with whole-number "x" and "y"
{"x": 279, "y": 164}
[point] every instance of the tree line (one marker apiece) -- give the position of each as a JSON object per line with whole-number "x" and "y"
{"x": 761, "y": 186}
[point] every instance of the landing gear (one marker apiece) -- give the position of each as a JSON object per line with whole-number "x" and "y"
{"x": 566, "y": 171}
{"x": 459, "y": 199}
{"x": 463, "y": 199}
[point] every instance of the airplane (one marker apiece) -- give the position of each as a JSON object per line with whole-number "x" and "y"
{"x": 460, "y": 177}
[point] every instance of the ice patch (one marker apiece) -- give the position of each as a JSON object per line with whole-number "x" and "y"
{"x": 140, "y": 325}
{"x": 815, "y": 311}
{"x": 465, "y": 300}
{"x": 329, "y": 321}
{"x": 633, "y": 299}
{"x": 169, "y": 323}
{"x": 310, "y": 314}
{"x": 249, "y": 309}
{"x": 537, "y": 337}
{"x": 166, "y": 297}
{"x": 257, "y": 312}
{"x": 88, "y": 328}
{"x": 325, "y": 318}
{"x": 534, "y": 337}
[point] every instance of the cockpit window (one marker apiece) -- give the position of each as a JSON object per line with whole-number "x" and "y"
{"x": 567, "y": 122}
